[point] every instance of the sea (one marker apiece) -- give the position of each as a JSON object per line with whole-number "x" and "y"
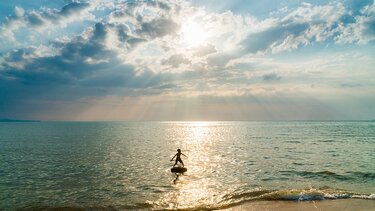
{"x": 126, "y": 165}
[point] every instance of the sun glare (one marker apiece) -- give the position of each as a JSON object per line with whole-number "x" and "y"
{"x": 193, "y": 34}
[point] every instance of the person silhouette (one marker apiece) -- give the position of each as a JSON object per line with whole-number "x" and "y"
{"x": 178, "y": 157}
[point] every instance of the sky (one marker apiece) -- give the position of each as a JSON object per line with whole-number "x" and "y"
{"x": 200, "y": 60}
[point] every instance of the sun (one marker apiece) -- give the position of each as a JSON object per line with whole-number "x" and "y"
{"x": 193, "y": 34}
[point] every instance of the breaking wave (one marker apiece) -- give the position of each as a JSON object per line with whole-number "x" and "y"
{"x": 226, "y": 201}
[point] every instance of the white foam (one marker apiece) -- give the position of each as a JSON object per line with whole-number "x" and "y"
{"x": 371, "y": 196}
{"x": 337, "y": 196}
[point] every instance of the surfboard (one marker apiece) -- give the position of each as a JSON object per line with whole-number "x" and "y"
{"x": 178, "y": 169}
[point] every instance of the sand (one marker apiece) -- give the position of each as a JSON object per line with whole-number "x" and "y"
{"x": 329, "y": 205}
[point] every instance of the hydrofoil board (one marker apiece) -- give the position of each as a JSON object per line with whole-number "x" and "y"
{"x": 178, "y": 169}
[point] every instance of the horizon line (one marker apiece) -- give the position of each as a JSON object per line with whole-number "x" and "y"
{"x": 259, "y": 120}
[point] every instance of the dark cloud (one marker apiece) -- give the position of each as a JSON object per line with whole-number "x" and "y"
{"x": 82, "y": 68}
{"x": 73, "y": 8}
{"x": 87, "y": 62}
{"x": 158, "y": 28}
{"x": 18, "y": 55}
{"x": 100, "y": 32}
{"x": 123, "y": 36}
{"x": 271, "y": 77}
{"x": 159, "y": 4}
{"x": 80, "y": 62}
{"x": 35, "y": 19}
{"x": 133, "y": 41}
{"x": 124, "y": 76}
{"x": 122, "y": 32}
{"x": 120, "y": 76}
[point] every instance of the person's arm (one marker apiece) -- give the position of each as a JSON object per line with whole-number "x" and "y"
{"x": 183, "y": 154}
{"x": 174, "y": 156}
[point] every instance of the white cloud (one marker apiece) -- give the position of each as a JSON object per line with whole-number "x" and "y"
{"x": 28, "y": 27}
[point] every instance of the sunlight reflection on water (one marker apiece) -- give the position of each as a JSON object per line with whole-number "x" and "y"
{"x": 126, "y": 164}
{"x": 196, "y": 187}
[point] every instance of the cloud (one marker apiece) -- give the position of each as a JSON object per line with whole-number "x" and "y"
{"x": 369, "y": 28}
{"x": 273, "y": 36}
{"x": 80, "y": 62}
{"x": 221, "y": 59}
{"x": 46, "y": 15}
{"x": 160, "y": 4}
{"x": 204, "y": 50}
{"x": 271, "y": 77}
{"x": 158, "y": 28}
{"x": 355, "y": 7}
{"x": 175, "y": 60}
{"x": 73, "y": 8}
{"x": 362, "y": 29}
{"x": 25, "y": 25}
{"x": 352, "y": 22}
{"x": 35, "y": 19}
{"x": 133, "y": 50}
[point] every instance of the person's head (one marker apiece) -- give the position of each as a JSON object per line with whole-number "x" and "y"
{"x": 178, "y": 150}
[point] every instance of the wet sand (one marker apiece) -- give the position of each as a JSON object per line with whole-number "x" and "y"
{"x": 329, "y": 205}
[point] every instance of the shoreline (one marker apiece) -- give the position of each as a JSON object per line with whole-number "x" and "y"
{"x": 329, "y": 205}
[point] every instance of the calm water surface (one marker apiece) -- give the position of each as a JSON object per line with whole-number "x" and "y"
{"x": 125, "y": 165}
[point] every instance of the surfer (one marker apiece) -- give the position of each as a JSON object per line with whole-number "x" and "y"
{"x": 178, "y": 157}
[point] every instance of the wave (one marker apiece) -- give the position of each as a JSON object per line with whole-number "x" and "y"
{"x": 240, "y": 197}
{"x": 297, "y": 195}
{"x": 226, "y": 201}
{"x": 327, "y": 141}
{"x": 350, "y": 175}
{"x": 319, "y": 174}
{"x": 363, "y": 175}
{"x": 42, "y": 207}
{"x": 312, "y": 194}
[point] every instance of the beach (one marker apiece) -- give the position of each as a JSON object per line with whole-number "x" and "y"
{"x": 329, "y": 205}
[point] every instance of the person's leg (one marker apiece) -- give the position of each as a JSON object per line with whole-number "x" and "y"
{"x": 175, "y": 163}
{"x": 179, "y": 160}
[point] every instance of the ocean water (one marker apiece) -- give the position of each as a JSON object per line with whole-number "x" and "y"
{"x": 126, "y": 165}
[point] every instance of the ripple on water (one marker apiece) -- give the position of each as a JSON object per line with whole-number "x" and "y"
{"x": 126, "y": 165}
